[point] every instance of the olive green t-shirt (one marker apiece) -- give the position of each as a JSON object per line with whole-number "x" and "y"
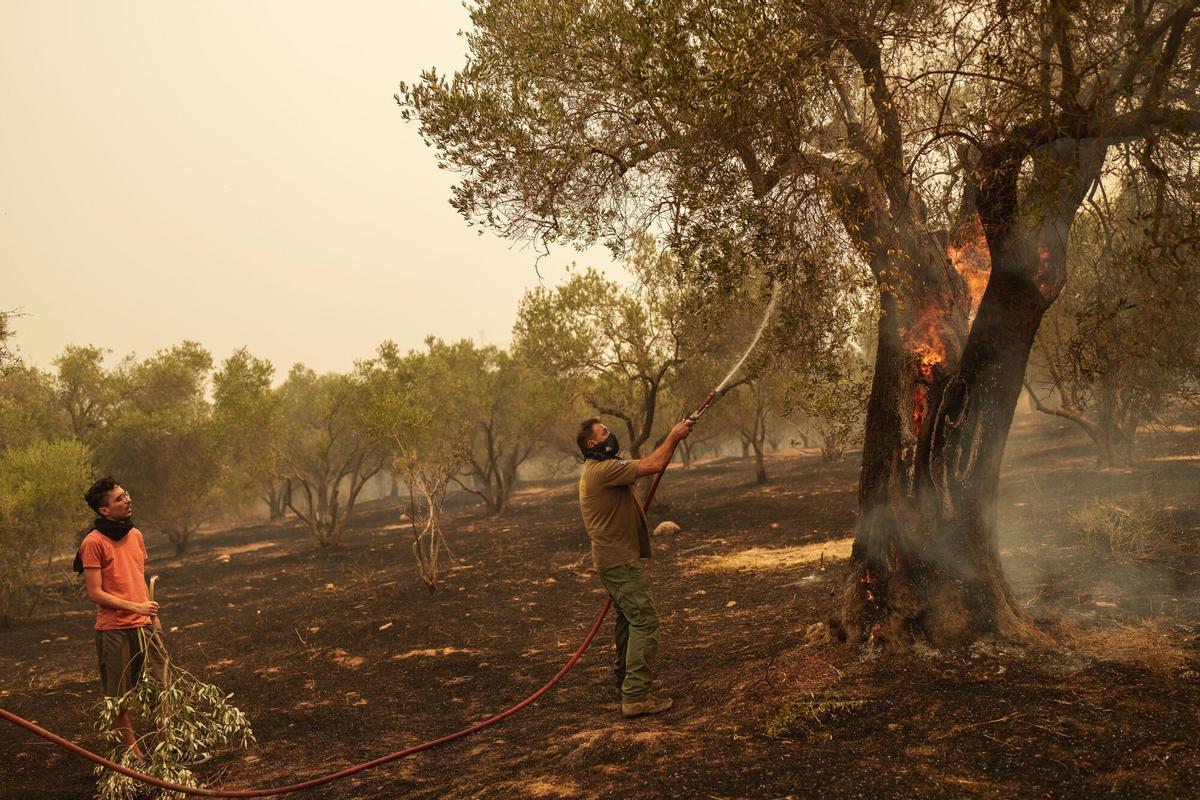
{"x": 611, "y": 512}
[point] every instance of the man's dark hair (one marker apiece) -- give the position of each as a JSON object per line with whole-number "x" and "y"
{"x": 585, "y": 432}
{"x": 97, "y": 496}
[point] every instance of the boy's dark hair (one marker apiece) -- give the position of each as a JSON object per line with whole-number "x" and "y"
{"x": 97, "y": 496}
{"x": 585, "y": 432}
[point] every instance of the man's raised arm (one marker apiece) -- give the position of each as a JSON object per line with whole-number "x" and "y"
{"x": 657, "y": 461}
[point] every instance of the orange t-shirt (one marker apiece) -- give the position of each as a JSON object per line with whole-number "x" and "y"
{"x": 122, "y": 573}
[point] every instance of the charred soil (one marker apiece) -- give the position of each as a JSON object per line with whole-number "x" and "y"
{"x": 340, "y": 656}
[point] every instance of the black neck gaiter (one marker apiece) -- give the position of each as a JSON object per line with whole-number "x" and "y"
{"x": 603, "y": 451}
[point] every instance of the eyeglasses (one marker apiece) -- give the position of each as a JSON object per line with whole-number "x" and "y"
{"x": 123, "y": 497}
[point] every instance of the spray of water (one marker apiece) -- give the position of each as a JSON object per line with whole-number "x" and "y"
{"x": 762, "y": 326}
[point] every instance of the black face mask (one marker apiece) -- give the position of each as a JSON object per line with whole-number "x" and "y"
{"x": 603, "y": 451}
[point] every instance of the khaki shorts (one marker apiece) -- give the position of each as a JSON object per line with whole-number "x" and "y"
{"x": 124, "y": 652}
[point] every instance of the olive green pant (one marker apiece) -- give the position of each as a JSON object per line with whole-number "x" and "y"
{"x": 637, "y": 628}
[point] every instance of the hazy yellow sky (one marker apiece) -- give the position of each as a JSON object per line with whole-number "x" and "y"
{"x": 237, "y": 173}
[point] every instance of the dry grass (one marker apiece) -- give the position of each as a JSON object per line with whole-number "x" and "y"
{"x": 1130, "y": 531}
{"x": 1149, "y": 644}
{"x": 806, "y": 716}
{"x": 768, "y": 558}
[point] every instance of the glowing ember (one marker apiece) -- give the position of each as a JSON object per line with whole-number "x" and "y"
{"x": 870, "y": 582}
{"x": 1045, "y": 276}
{"x": 969, "y": 253}
{"x": 920, "y": 402}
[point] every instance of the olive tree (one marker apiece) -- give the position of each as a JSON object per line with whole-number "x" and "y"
{"x": 29, "y": 410}
{"x": 420, "y": 408}
{"x": 162, "y": 441}
{"x": 329, "y": 450}
{"x": 41, "y": 513}
{"x": 85, "y": 389}
{"x": 506, "y": 405}
{"x": 616, "y": 348}
{"x": 249, "y": 414}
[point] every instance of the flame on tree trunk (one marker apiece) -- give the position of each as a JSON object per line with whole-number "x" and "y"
{"x": 950, "y": 364}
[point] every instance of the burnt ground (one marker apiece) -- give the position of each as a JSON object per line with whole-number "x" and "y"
{"x": 341, "y": 656}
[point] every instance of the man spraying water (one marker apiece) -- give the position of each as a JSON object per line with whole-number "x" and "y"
{"x": 620, "y": 539}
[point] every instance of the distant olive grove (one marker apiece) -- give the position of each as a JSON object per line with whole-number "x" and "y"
{"x": 198, "y": 442}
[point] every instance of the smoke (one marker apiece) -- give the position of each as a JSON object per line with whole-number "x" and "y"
{"x": 1099, "y": 546}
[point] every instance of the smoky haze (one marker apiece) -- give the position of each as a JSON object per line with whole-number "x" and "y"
{"x": 238, "y": 174}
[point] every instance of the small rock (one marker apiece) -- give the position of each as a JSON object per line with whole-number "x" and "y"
{"x": 731, "y": 604}
{"x": 775, "y": 526}
{"x": 666, "y": 527}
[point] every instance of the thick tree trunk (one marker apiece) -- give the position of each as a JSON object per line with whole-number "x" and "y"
{"x": 925, "y": 563}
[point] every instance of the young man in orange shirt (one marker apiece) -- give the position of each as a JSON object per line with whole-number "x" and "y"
{"x": 128, "y": 635}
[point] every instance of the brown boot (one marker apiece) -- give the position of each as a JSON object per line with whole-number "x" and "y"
{"x": 650, "y": 704}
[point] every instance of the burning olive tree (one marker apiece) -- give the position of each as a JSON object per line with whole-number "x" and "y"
{"x": 949, "y": 145}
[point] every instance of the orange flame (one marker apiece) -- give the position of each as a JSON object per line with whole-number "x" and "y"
{"x": 969, "y": 253}
{"x": 925, "y": 340}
